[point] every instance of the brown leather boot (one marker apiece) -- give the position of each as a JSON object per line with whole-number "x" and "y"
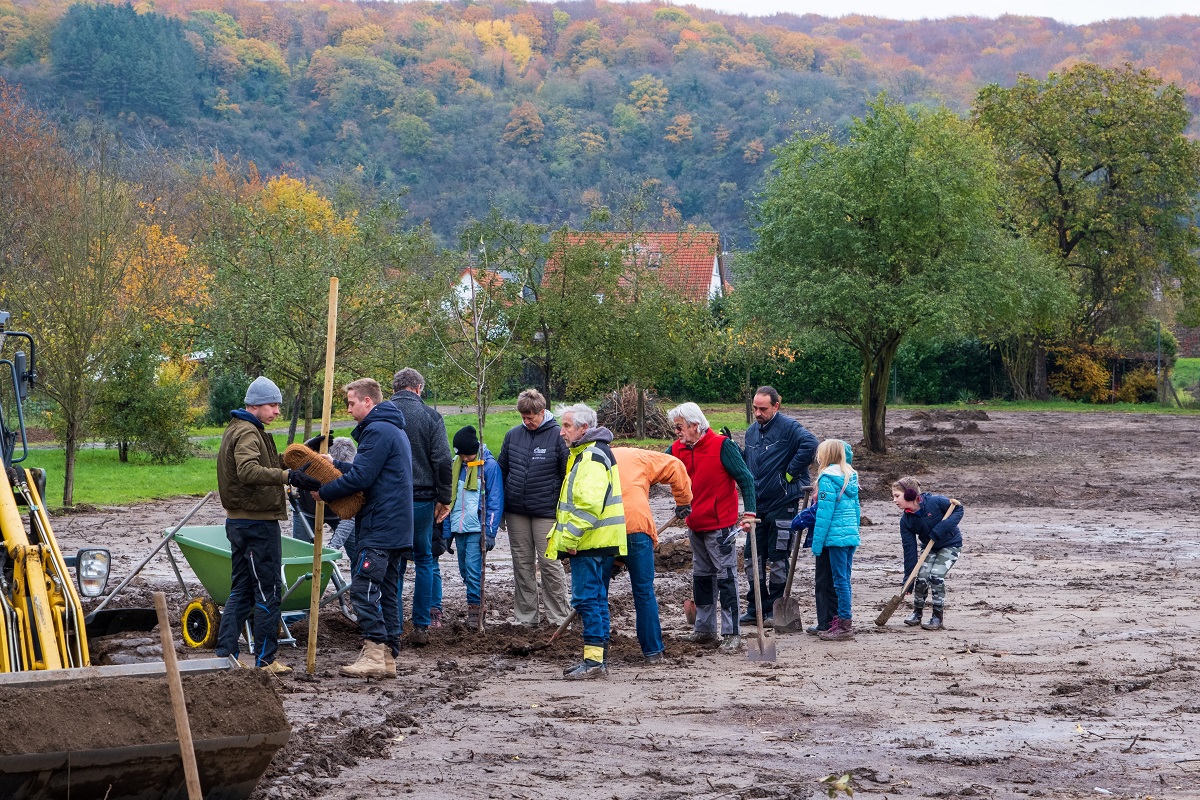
{"x": 473, "y": 617}
{"x": 389, "y": 662}
{"x": 371, "y": 663}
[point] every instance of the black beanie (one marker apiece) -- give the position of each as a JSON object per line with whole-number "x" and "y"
{"x": 466, "y": 443}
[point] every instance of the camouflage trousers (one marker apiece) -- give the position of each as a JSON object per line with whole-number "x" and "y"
{"x": 932, "y": 577}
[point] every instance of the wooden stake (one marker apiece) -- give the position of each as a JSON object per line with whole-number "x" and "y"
{"x": 314, "y": 601}
{"x": 191, "y": 773}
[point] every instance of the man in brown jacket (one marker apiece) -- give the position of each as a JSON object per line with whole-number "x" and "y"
{"x": 250, "y": 480}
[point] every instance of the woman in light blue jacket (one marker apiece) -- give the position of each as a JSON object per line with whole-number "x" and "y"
{"x": 836, "y": 527}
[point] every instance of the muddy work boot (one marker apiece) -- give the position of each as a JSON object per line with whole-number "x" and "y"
{"x": 473, "y": 617}
{"x": 275, "y": 668}
{"x": 389, "y": 662}
{"x": 935, "y": 620}
{"x": 839, "y": 630}
{"x": 419, "y": 636}
{"x": 586, "y": 670}
{"x": 653, "y": 659}
{"x": 372, "y": 663}
{"x": 701, "y": 637}
{"x": 914, "y": 618}
{"x": 730, "y": 643}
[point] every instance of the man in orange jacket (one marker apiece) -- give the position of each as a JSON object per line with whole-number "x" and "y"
{"x": 639, "y": 470}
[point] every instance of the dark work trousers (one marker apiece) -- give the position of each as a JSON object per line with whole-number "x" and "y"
{"x": 773, "y": 554}
{"x": 257, "y": 557}
{"x": 374, "y": 593}
{"x": 825, "y": 596}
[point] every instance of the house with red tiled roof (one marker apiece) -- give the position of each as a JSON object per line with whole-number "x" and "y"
{"x": 689, "y": 262}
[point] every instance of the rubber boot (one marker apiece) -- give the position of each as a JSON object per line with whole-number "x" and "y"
{"x": 832, "y": 629}
{"x": 839, "y": 630}
{"x": 935, "y": 620}
{"x": 370, "y": 664}
{"x": 473, "y": 617}
{"x": 702, "y": 637}
{"x": 730, "y": 643}
{"x": 915, "y": 617}
{"x": 435, "y": 618}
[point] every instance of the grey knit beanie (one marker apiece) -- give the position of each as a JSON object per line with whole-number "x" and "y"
{"x": 263, "y": 392}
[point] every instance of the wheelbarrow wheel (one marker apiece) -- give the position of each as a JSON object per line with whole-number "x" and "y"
{"x": 200, "y": 622}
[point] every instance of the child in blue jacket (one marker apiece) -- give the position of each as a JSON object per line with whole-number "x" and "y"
{"x": 836, "y": 527}
{"x": 924, "y": 517}
{"x": 465, "y": 522}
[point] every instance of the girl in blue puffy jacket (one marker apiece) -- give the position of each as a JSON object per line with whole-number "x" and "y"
{"x": 836, "y": 527}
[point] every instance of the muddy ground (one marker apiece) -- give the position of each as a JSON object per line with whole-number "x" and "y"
{"x": 1068, "y": 667}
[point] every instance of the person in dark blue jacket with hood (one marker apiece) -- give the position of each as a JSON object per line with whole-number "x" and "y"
{"x": 924, "y": 517}
{"x": 382, "y": 471}
{"x": 779, "y": 451}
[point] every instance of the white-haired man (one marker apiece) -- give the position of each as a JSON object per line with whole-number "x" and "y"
{"x": 589, "y": 528}
{"x": 715, "y": 465}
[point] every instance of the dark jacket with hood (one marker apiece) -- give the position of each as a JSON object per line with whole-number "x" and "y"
{"x": 430, "y": 448}
{"x": 926, "y": 523}
{"x": 382, "y": 471}
{"x": 250, "y": 477}
{"x": 774, "y": 451}
{"x": 534, "y": 464}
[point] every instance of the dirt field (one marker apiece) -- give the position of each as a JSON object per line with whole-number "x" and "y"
{"x": 1068, "y": 667}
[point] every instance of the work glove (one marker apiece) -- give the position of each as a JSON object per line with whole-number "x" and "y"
{"x": 439, "y": 543}
{"x": 302, "y": 480}
{"x": 491, "y": 542}
{"x": 315, "y": 442}
{"x": 683, "y": 511}
{"x": 726, "y": 432}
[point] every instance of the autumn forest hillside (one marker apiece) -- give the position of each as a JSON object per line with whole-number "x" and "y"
{"x": 543, "y": 111}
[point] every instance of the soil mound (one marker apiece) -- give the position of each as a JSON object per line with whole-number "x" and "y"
{"x": 126, "y": 712}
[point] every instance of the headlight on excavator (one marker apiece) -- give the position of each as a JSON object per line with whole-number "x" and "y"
{"x": 91, "y": 571}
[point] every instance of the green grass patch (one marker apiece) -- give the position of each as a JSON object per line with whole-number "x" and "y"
{"x": 102, "y": 480}
{"x": 1186, "y": 373}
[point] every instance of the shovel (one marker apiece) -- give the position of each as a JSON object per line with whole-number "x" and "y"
{"x": 760, "y": 648}
{"x": 787, "y": 608}
{"x": 896, "y": 600}
{"x": 520, "y": 650}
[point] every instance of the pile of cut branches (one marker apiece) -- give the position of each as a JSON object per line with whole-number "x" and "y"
{"x": 618, "y": 413}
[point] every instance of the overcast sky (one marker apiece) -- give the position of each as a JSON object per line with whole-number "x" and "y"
{"x": 1076, "y": 12}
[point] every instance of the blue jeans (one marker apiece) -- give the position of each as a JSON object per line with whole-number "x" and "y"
{"x": 640, "y": 563}
{"x": 256, "y": 556}
{"x": 589, "y": 596}
{"x": 470, "y": 564}
{"x": 423, "y": 563}
{"x": 841, "y": 561}
{"x": 436, "y": 602}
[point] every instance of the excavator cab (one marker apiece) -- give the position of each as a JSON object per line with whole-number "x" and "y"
{"x": 74, "y": 730}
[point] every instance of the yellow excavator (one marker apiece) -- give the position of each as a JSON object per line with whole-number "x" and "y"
{"x": 74, "y": 730}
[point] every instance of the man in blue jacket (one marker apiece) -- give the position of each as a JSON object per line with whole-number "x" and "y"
{"x": 382, "y": 471}
{"x": 779, "y": 451}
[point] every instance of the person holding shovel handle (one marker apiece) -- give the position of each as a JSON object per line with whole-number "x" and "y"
{"x": 589, "y": 529}
{"x": 474, "y": 468}
{"x": 923, "y": 518}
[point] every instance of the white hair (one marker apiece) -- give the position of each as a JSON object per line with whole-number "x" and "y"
{"x": 689, "y": 412}
{"x": 343, "y": 449}
{"x": 581, "y": 414}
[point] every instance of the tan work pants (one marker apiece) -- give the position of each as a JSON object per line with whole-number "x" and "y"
{"x": 527, "y": 541}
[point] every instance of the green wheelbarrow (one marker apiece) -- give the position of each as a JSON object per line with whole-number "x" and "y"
{"x": 207, "y": 551}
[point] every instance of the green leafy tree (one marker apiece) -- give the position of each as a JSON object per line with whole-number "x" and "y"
{"x": 1103, "y": 178}
{"x": 270, "y": 293}
{"x": 878, "y": 237}
{"x": 144, "y": 407}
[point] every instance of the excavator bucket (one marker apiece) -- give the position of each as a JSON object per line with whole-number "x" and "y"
{"x": 109, "y": 732}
